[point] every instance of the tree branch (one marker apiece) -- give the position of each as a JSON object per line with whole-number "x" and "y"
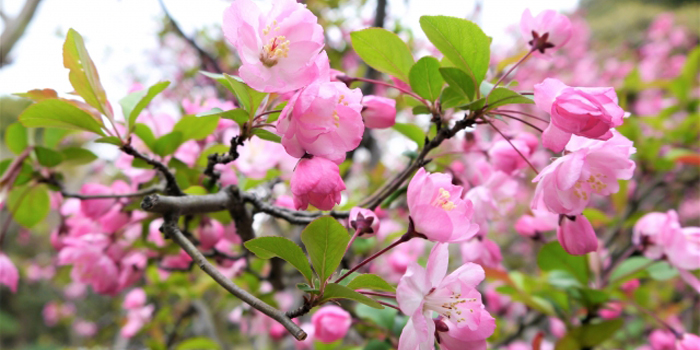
{"x": 14, "y": 28}
{"x": 170, "y": 228}
{"x": 171, "y": 186}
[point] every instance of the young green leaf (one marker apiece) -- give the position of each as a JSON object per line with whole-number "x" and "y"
{"x": 502, "y": 96}
{"x": 48, "y": 157}
{"x": 238, "y": 115}
{"x": 307, "y": 288}
{"x": 452, "y": 97}
{"x": 383, "y": 51}
{"x": 77, "y": 155}
{"x": 168, "y": 143}
{"x": 283, "y": 248}
{"x": 325, "y": 240}
{"x": 135, "y": 102}
{"x": 425, "y": 78}
{"x": 461, "y": 41}
{"x": 83, "y": 74}
{"x": 55, "y": 113}
{"x": 196, "y": 128}
{"x": 267, "y": 135}
{"x": 553, "y": 257}
{"x": 145, "y": 134}
{"x": 337, "y": 291}
{"x": 29, "y": 205}
{"x": 370, "y": 281}
{"x": 112, "y": 140}
{"x": 16, "y": 138}
{"x": 411, "y": 131}
{"x": 248, "y": 98}
{"x": 460, "y": 81}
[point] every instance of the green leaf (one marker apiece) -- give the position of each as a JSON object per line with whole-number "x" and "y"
{"x": 55, "y": 113}
{"x": 662, "y": 271}
{"x": 629, "y": 267}
{"x": 16, "y": 138}
{"x": 83, "y": 74}
{"x": 325, "y": 240}
{"x": 238, "y": 115}
{"x": 412, "y": 131}
{"x": 204, "y": 156}
{"x": 459, "y": 80}
{"x": 422, "y": 109}
{"x": 112, "y": 140}
{"x": 425, "y": 78}
{"x": 196, "y": 128}
{"x": 77, "y": 155}
{"x": 383, "y": 317}
{"x": 145, "y": 134}
{"x": 553, "y": 257}
{"x": 452, "y": 97}
{"x": 283, "y": 248}
{"x": 29, "y": 205}
{"x": 502, "y": 96}
{"x": 308, "y": 289}
{"x": 25, "y": 173}
{"x": 48, "y": 157}
{"x": 133, "y": 103}
{"x": 461, "y": 41}
{"x": 52, "y": 137}
{"x": 198, "y": 343}
{"x": 589, "y": 335}
{"x": 370, "y": 281}
{"x": 195, "y": 190}
{"x": 267, "y": 135}
{"x": 248, "y": 98}
{"x": 337, "y": 291}
{"x": 383, "y": 51}
{"x": 168, "y": 143}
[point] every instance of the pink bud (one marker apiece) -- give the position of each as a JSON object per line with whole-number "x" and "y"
{"x": 611, "y": 310}
{"x": 331, "y": 323}
{"x": 8, "y": 273}
{"x": 378, "y": 112}
{"x": 630, "y": 286}
{"x": 577, "y": 236}
{"x": 316, "y": 181}
{"x": 364, "y": 220}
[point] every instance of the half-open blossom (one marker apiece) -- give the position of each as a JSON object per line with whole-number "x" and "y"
{"x": 364, "y": 220}
{"x": 378, "y": 112}
{"x": 577, "y": 236}
{"x": 548, "y": 29}
{"x": 323, "y": 120}
{"x": 422, "y": 291}
{"x": 316, "y": 181}
{"x": 331, "y": 323}
{"x": 90, "y": 263}
{"x": 589, "y": 112}
{"x": 438, "y": 210}
{"x": 8, "y": 273}
{"x": 278, "y": 47}
{"x": 565, "y": 186}
{"x": 452, "y": 337}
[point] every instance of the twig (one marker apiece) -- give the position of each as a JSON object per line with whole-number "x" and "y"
{"x": 170, "y": 228}
{"x": 388, "y": 304}
{"x": 171, "y": 186}
{"x": 521, "y": 60}
{"x": 15, "y": 27}
{"x": 520, "y": 120}
{"x": 301, "y": 311}
{"x": 515, "y": 148}
{"x": 172, "y": 336}
{"x": 214, "y": 159}
{"x": 519, "y": 112}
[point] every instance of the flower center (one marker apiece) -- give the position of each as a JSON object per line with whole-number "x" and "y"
{"x": 448, "y": 306}
{"x": 443, "y": 200}
{"x": 593, "y": 183}
{"x": 276, "y": 47}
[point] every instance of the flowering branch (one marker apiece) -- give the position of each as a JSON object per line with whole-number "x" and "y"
{"x": 171, "y": 186}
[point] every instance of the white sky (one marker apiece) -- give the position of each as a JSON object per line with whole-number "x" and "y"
{"x": 119, "y": 32}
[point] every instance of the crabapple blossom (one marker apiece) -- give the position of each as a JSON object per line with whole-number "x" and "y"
{"x": 422, "y": 291}
{"x": 316, "y": 181}
{"x": 548, "y": 29}
{"x": 331, "y": 323}
{"x": 452, "y": 337}
{"x": 482, "y": 251}
{"x": 589, "y": 112}
{"x": 278, "y": 48}
{"x": 324, "y": 120}
{"x": 540, "y": 221}
{"x": 576, "y": 235}
{"x": 8, "y": 273}
{"x": 136, "y": 319}
{"x": 134, "y": 299}
{"x": 438, "y": 210}
{"x": 378, "y": 112}
{"x": 504, "y": 157}
{"x": 364, "y": 220}
{"x": 210, "y": 233}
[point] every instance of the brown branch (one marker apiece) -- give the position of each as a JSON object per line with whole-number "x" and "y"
{"x": 171, "y": 186}
{"x": 14, "y": 29}
{"x": 170, "y": 228}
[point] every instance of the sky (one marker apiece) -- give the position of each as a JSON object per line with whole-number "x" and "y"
{"x": 119, "y": 33}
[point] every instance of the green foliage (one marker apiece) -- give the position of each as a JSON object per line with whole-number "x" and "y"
{"x": 412, "y": 131}
{"x": 145, "y": 134}
{"x": 29, "y": 204}
{"x": 553, "y": 257}
{"x": 502, "y": 96}
{"x": 267, "y": 135}
{"x": 25, "y": 173}
{"x": 325, "y": 240}
{"x": 112, "y": 140}
{"x": 459, "y": 81}
{"x": 134, "y": 103}
{"x": 238, "y": 115}
{"x": 461, "y": 41}
{"x": 425, "y": 78}
{"x": 48, "y": 157}
{"x": 383, "y": 51}
{"x": 168, "y": 143}
{"x": 16, "y": 138}
{"x": 198, "y": 343}
{"x": 56, "y": 113}
{"x": 337, "y": 291}
{"x": 248, "y": 98}
{"x": 589, "y": 335}
{"x": 77, "y": 156}
{"x": 83, "y": 74}
{"x": 370, "y": 281}
{"x": 196, "y": 128}
{"x": 283, "y": 248}
{"x": 383, "y": 317}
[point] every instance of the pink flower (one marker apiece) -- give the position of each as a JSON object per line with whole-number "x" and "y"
{"x": 90, "y": 263}
{"x": 378, "y": 112}
{"x": 683, "y": 248}
{"x": 94, "y": 208}
{"x": 438, "y": 210}
{"x": 540, "y": 221}
{"x": 588, "y": 112}
{"x": 611, "y": 310}
{"x": 422, "y": 291}
{"x": 84, "y": 328}
{"x": 8, "y": 273}
{"x": 181, "y": 261}
{"x": 577, "y": 236}
{"x": 324, "y": 120}
{"x": 482, "y": 251}
{"x": 331, "y": 323}
{"x": 393, "y": 265}
{"x": 662, "y": 340}
{"x": 689, "y": 342}
{"x": 257, "y": 156}
{"x": 134, "y": 299}
{"x": 549, "y": 29}
{"x": 494, "y": 198}
{"x": 565, "y": 186}
{"x": 277, "y": 48}
{"x": 364, "y": 220}
{"x": 452, "y": 337}
{"x": 209, "y": 234}
{"x": 316, "y": 181}
{"x": 136, "y": 319}
{"x": 506, "y": 159}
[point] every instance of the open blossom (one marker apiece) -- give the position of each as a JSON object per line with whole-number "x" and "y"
{"x": 652, "y": 230}
{"x": 482, "y": 251}
{"x": 277, "y": 48}
{"x": 548, "y": 29}
{"x": 577, "y": 236}
{"x": 323, "y": 120}
{"x": 331, "y": 323}
{"x": 456, "y": 338}
{"x": 8, "y": 273}
{"x": 316, "y": 181}
{"x": 438, "y": 210}
{"x": 588, "y": 112}
{"x": 565, "y": 186}
{"x": 540, "y": 221}
{"x": 90, "y": 263}
{"x": 378, "y": 112}
{"x": 364, "y": 220}
{"x": 422, "y": 291}
{"x": 506, "y": 158}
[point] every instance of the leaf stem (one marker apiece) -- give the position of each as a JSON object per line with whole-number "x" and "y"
{"x": 512, "y": 145}
{"x": 407, "y": 236}
{"x": 500, "y": 80}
